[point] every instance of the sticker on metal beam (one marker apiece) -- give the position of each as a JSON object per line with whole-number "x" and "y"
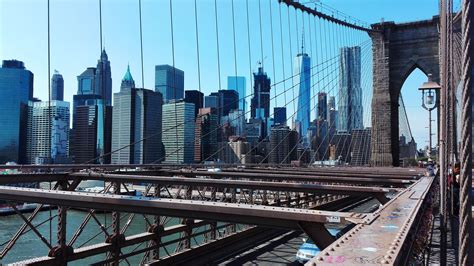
{"x": 333, "y": 219}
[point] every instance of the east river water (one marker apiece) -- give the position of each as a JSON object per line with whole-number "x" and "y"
{"x": 29, "y": 244}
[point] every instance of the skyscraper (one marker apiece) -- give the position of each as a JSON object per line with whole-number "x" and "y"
{"x": 238, "y": 84}
{"x": 350, "y": 90}
{"x": 322, "y": 132}
{"x": 86, "y": 82}
{"x": 260, "y": 103}
{"x": 84, "y": 128}
{"x": 196, "y": 97}
{"x": 169, "y": 81}
{"x": 211, "y": 101}
{"x": 205, "y": 145}
{"x": 280, "y": 145}
{"x": 237, "y": 121}
{"x": 332, "y": 102}
{"x": 360, "y": 146}
{"x": 57, "y": 87}
{"x": 235, "y": 151}
{"x": 332, "y": 122}
{"x": 136, "y": 124}
{"x": 228, "y": 100}
{"x": 16, "y": 89}
{"x": 92, "y": 111}
{"x": 41, "y": 149}
{"x": 302, "y": 79}
{"x": 322, "y": 106}
{"x": 254, "y": 130}
{"x": 178, "y": 132}
{"x": 332, "y": 117}
{"x": 279, "y": 113}
{"x": 104, "y": 78}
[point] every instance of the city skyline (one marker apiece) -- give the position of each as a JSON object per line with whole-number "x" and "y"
{"x": 247, "y": 125}
{"x": 185, "y": 58}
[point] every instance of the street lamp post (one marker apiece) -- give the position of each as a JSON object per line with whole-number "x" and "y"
{"x": 429, "y": 102}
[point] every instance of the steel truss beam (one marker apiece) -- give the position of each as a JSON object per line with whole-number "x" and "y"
{"x": 101, "y": 248}
{"x": 283, "y": 176}
{"x": 277, "y": 217}
{"x": 287, "y": 177}
{"x": 379, "y": 193}
{"x": 343, "y": 172}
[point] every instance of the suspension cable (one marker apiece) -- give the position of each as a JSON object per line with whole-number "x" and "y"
{"x": 466, "y": 137}
{"x": 217, "y": 44}
{"x": 141, "y": 41}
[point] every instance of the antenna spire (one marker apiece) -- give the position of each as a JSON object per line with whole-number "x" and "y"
{"x": 302, "y": 43}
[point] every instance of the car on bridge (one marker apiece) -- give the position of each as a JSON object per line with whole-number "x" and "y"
{"x": 309, "y": 250}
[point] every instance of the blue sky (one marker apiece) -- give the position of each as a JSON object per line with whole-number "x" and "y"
{"x": 75, "y": 42}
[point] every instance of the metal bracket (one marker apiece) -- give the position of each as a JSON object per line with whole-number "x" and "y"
{"x": 318, "y": 233}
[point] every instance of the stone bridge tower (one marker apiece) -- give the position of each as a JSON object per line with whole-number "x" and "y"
{"x": 397, "y": 49}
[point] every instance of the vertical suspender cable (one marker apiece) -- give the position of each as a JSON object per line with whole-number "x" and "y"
{"x": 198, "y": 65}
{"x": 235, "y": 48}
{"x": 197, "y": 45}
{"x": 454, "y": 137}
{"x": 141, "y": 41}
{"x": 100, "y": 23}
{"x": 273, "y": 50}
{"x": 261, "y": 37}
{"x": 248, "y": 38}
{"x": 282, "y": 58}
{"x": 259, "y": 95}
{"x": 174, "y": 81}
{"x": 312, "y": 58}
{"x": 240, "y": 97}
{"x": 291, "y": 64}
{"x": 217, "y": 43}
{"x": 49, "y": 114}
{"x": 442, "y": 132}
{"x": 465, "y": 219}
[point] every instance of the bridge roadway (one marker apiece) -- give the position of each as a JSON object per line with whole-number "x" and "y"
{"x": 282, "y": 249}
{"x": 400, "y": 219}
{"x": 310, "y": 221}
{"x": 341, "y": 177}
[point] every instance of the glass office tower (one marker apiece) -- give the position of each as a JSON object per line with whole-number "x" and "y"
{"x": 169, "y": 81}
{"x": 92, "y": 114}
{"x": 260, "y": 104}
{"x": 57, "y": 87}
{"x": 302, "y": 79}
{"x": 350, "y": 90}
{"x": 237, "y": 83}
{"x": 136, "y": 119}
{"x": 40, "y": 149}
{"x": 16, "y": 89}
{"x": 178, "y": 132}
